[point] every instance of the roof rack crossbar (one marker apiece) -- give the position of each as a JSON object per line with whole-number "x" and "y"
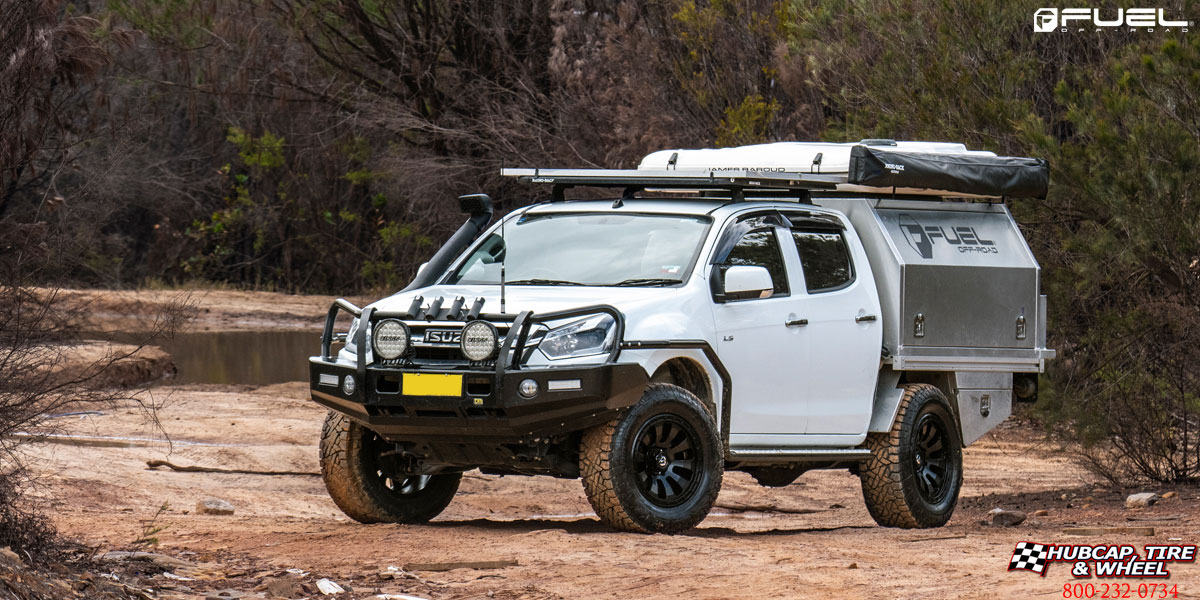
{"x": 736, "y": 182}
{"x": 558, "y": 193}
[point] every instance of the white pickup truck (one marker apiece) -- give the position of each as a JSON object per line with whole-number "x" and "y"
{"x": 770, "y": 309}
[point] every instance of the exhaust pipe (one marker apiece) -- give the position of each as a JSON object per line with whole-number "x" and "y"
{"x": 479, "y": 206}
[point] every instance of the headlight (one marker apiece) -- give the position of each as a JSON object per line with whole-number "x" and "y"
{"x": 585, "y": 337}
{"x": 479, "y": 340}
{"x": 390, "y": 339}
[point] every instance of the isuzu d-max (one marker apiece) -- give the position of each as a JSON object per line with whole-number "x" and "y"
{"x": 770, "y": 309}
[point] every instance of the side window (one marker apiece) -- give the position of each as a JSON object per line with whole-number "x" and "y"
{"x": 825, "y": 258}
{"x": 759, "y": 249}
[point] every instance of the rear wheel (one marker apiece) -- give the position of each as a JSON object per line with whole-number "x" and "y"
{"x": 656, "y": 467}
{"x": 363, "y": 478}
{"x": 915, "y": 472}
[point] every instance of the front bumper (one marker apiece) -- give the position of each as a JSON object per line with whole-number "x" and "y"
{"x": 488, "y": 409}
{"x": 485, "y": 406}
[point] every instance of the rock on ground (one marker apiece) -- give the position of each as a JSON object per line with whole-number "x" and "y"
{"x": 1141, "y": 500}
{"x": 1007, "y": 518}
{"x": 328, "y": 587}
{"x": 214, "y": 506}
{"x": 162, "y": 560}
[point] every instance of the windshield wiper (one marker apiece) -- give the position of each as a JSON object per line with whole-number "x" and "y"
{"x": 648, "y": 281}
{"x": 542, "y": 282}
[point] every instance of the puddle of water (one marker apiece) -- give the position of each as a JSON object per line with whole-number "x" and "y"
{"x": 239, "y": 357}
{"x": 243, "y": 357}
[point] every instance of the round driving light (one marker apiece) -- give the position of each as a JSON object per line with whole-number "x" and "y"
{"x": 528, "y": 388}
{"x": 390, "y": 338}
{"x": 348, "y": 385}
{"x": 479, "y": 340}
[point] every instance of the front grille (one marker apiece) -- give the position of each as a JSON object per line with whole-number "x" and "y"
{"x": 422, "y": 354}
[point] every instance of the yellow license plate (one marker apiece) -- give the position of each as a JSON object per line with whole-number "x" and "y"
{"x": 432, "y": 384}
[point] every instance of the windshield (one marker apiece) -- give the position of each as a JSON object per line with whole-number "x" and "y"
{"x": 587, "y": 249}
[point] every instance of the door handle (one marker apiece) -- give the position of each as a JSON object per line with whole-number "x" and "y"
{"x": 864, "y": 319}
{"x": 796, "y": 322}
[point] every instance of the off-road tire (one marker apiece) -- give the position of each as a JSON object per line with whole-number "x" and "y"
{"x": 359, "y": 487}
{"x": 613, "y": 474}
{"x": 889, "y": 479}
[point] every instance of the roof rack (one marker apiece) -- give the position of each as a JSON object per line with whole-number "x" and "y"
{"x": 777, "y": 170}
{"x": 734, "y": 181}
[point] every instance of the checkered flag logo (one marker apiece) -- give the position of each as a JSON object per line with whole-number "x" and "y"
{"x": 1030, "y": 557}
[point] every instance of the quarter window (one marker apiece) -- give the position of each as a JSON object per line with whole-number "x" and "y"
{"x": 825, "y": 258}
{"x": 759, "y": 249}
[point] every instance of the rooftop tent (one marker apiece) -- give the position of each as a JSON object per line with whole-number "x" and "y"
{"x": 972, "y": 174}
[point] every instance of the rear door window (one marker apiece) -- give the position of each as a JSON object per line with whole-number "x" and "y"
{"x": 825, "y": 259}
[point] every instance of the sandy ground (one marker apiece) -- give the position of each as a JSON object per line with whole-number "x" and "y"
{"x": 813, "y": 538}
{"x": 100, "y": 495}
{"x": 215, "y": 310}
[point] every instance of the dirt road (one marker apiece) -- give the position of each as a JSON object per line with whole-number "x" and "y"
{"x": 813, "y": 538}
{"x": 546, "y": 526}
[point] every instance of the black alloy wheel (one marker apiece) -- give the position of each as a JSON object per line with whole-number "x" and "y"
{"x": 665, "y": 453}
{"x": 655, "y": 467}
{"x": 914, "y": 474}
{"x": 931, "y": 461}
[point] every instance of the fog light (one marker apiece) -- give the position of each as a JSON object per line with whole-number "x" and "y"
{"x": 479, "y": 340}
{"x": 390, "y": 338}
{"x": 528, "y": 388}
{"x": 348, "y": 385}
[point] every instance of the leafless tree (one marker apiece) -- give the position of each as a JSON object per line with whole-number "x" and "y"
{"x": 45, "y": 54}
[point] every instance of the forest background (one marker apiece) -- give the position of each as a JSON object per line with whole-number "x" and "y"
{"x": 316, "y": 146}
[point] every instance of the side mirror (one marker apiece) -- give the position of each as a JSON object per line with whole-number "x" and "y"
{"x": 748, "y": 282}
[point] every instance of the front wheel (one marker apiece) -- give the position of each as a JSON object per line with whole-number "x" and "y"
{"x": 914, "y": 474}
{"x": 655, "y": 468}
{"x": 361, "y": 476}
